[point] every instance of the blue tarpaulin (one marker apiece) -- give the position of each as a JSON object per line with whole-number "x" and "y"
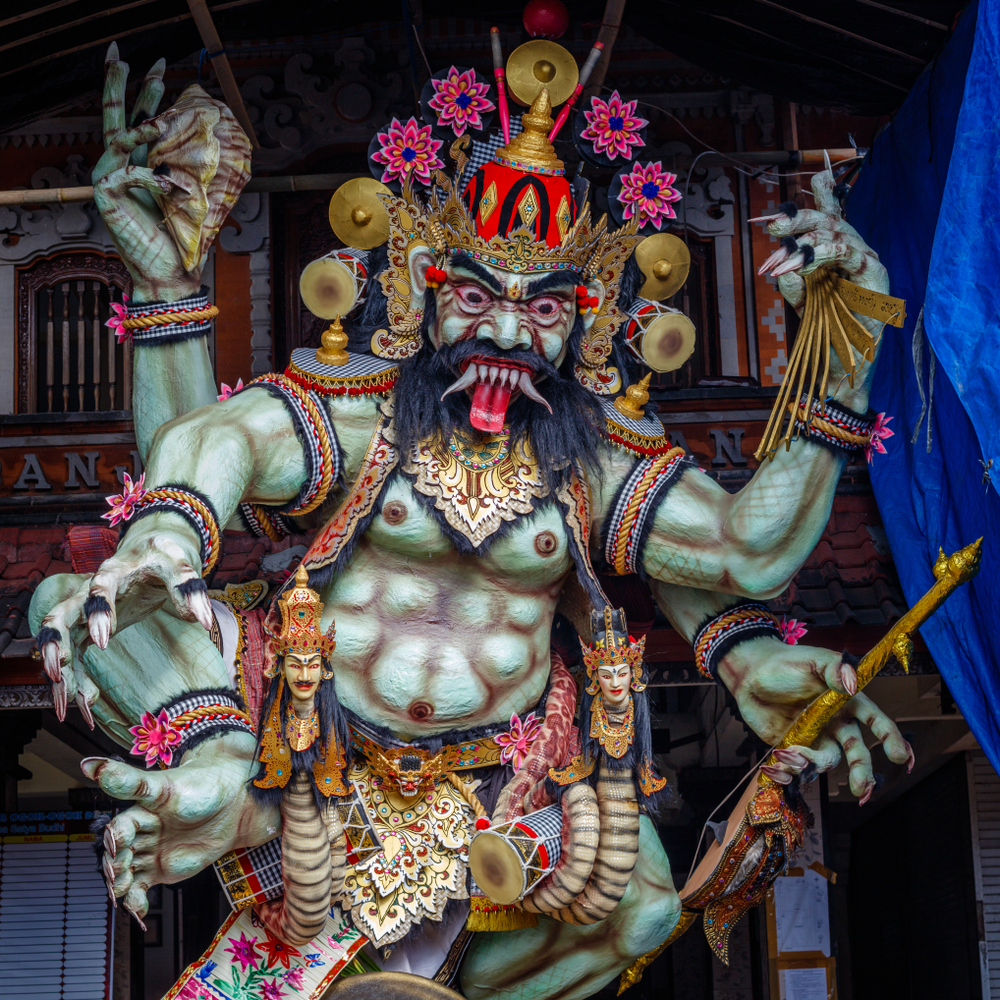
{"x": 926, "y": 202}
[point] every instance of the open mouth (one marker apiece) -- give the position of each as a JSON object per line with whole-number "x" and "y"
{"x": 303, "y": 685}
{"x": 494, "y": 382}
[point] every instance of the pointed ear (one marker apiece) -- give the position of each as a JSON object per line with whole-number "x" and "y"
{"x": 419, "y": 259}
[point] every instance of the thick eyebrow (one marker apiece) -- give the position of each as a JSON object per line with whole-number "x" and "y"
{"x": 555, "y": 279}
{"x": 466, "y": 263}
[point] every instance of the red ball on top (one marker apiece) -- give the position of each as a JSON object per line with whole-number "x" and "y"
{"x": 546, "y": 18}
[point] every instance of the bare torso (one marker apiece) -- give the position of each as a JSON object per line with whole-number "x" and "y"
{"x": 429, "y": 639}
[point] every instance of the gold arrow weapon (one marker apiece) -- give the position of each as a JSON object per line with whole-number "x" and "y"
{"x": 764, "y": 829}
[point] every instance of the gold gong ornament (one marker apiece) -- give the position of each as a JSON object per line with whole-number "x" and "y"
{"x": 357, "y": 216}
{"x": 541, "y": 63}
{"x": 665, "y": 262}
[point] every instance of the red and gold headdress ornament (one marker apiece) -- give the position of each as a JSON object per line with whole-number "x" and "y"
{"x": 301, "y": 623}
{"x": 612, "y": 647}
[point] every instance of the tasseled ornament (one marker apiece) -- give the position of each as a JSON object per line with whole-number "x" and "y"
{"x": 485, "y": 915}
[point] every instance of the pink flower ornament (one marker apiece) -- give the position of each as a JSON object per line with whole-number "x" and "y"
{"x": 272, "y": 991}
{"x": 408, "y": 151}
{"x": 155, "y": 738}
{"x": 880, "y": 431}
{"x": 117, "y": 320}
{"x": 123, "y": 504}
{"x": 613, "y": 127}
{"x": 244, "y": 951}
{"x": 517, "y": 742}
{"x": 792, "y": 630}
{"x": 459, "y": 101}
{"x": 294, "y": 978}
{"x": 646, "y": 193}
{"x": 227, "y": 391}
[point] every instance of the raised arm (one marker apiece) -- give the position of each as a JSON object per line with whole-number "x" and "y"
{"x": 753, "y": 542}
{"x": 201, "y": 164}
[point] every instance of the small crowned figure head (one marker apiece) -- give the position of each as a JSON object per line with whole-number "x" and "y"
{"x": 301, "y": 648}
{"x": 614, "y": 662}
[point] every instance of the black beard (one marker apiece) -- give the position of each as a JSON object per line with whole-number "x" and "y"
{"x": 570, "y": 433}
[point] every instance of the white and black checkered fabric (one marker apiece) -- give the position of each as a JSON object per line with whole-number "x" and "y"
{"x": 188, "y": 513}
{"x": 666, "y": 478}
{"x": 840, "y": 417}
{"x": 262, "y": 863}
{"x": 309, "y": 436}
{"x": 169, "y": 332}
{"x": 304, "y": 358}
{"x": 546, "y": 824}
{"x": 647, "y": 427}
{"x": 483, "y": 152}
{"x": 200, "y": 728}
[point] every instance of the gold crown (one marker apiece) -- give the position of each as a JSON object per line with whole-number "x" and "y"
{"x": 613, "y": 647}
{"x": 446, "y": 227}
{"x": 301, "y": 621}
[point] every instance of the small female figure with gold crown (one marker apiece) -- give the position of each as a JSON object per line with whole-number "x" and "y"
{"x": 301, "y": 751}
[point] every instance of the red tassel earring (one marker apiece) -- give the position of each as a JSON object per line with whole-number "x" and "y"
{"x": 436, "y": 277}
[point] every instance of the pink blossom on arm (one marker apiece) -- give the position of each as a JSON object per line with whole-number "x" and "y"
{"x": 880, "y": 431}
{"x": 155, "y": 738}
{"x": 123, "y": 504}
{"x": 117, "y": 320}
{"x": 227, "y": 391}
{"x": 517, "y": 742}
{"x": 792, "y": 630}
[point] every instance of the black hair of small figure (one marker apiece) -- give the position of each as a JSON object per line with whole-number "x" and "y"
{"x": 638, "y": 754}
{"x": 331, "y": 720}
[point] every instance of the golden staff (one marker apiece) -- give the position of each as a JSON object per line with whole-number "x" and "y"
{"x": 762, "y": 814}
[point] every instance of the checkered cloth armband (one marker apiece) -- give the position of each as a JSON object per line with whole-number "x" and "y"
{"x": 747, "y": 620}
{"x": 169, "y": 333}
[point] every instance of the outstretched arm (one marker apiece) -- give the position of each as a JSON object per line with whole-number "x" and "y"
{"x": 753, "y": 542}
{"x": 772, "y": 682}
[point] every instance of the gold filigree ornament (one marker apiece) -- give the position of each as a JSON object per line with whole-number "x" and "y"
{"x": 477, "y": 481}
{"x": 422, "y": 863}
{"x": 615, "y": 739}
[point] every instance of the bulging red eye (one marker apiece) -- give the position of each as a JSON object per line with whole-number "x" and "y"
{"x": 474, "y": 297}
{"x": 546, "y": 305}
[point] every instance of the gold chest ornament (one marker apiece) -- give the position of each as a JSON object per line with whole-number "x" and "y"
{"x": 422, "y": 862}
{"x": 615, "y": 739}
{"x": 478, "y": 481}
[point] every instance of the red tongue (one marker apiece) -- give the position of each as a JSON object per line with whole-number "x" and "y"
{"x": 489, "y": 407}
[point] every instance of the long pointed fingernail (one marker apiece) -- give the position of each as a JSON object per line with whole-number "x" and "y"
{"x": 911, "y": 759}
{"x": 796, "y": 260}
{"x": 201, "y": 607}
{"x": 50, "y": 661}
{"x": 85, "y": 709}
{"x": 109, "y": 842}
{"x": 776, "y": 258}
{"x": 59, "y": 700}
{"x": 137, "y": 917}
{"x": 765, "y": 218}
{"x": 109, "y": 871}
{"x": 91, "y": 765}
{"x": 99, "y": 624}
{"x": 791, "y": 757}
{"x": 849, "y": 678}
{"x": 776, "y": 774}
{"x": 868, "y": 793}
{"x": 111, "y": 893}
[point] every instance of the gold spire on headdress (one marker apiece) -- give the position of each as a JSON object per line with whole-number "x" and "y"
{"x": 301, "y": 620}
{"x": 531, "y": 149}
{"x": 613, "y": 647}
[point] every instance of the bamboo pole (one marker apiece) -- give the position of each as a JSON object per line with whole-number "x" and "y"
{"x": 610, "y": 25}
{"x": 216, "y": 52}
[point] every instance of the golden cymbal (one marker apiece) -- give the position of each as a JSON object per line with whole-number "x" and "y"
{"x": 667, "y": 342}
{"x": 665, "y": 261}
{"x": 541, "y": 63}
{"x": 357, "y": 216}
{"x": 328, "y": 288}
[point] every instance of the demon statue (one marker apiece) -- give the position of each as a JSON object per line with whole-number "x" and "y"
{"x": 469, "y": 465}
